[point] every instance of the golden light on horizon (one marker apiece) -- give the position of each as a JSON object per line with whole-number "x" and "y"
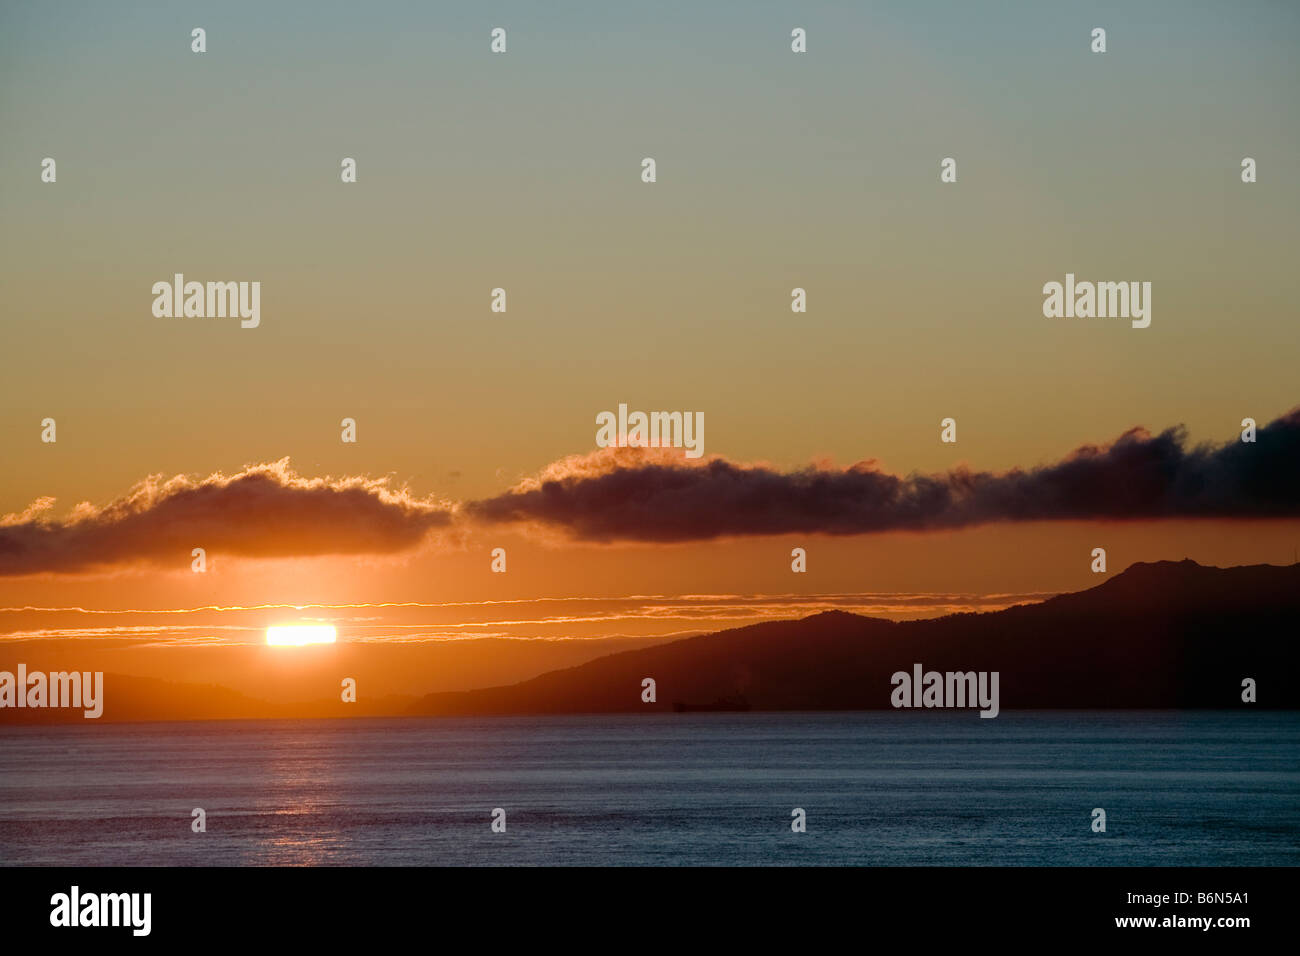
{"x": 296, "y": 635}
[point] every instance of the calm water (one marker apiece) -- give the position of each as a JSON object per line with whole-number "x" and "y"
{"x": 878, "y": 788}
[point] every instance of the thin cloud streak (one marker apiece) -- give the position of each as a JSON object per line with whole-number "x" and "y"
{"x": 413, "y": 622}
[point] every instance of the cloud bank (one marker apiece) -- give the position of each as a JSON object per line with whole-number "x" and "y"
{"x": 1138, "y": 476}
{"x": 658, "y": 496}
{"x": 265, "y": 510}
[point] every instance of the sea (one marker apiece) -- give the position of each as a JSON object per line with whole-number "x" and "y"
{"x": 723, "y": 789}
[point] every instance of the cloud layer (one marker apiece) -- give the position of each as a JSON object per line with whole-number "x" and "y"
{"x": 1138, "y": 476}
{"x": 263, "y": 511}
{"x": 657, "y": 495}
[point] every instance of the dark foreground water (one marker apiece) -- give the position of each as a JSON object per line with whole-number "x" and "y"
{"x": 878, "y": 788}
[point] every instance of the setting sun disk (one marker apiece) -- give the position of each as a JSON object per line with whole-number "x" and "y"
{"x": 296, "y": 635}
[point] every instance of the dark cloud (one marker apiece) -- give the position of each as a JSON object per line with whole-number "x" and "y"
{"x": 263, "y": 511}
{"x": 655, "y": 495}
{"x": 1139, "y": 476}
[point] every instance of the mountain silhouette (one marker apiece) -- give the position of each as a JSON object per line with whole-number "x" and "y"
{"x": 1161, "y": 635}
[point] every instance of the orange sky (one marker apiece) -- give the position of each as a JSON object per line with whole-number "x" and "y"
{"x": 775, "y": 171}
{"x": 554, "y": 603}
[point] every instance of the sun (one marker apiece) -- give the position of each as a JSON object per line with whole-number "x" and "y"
{"x": 296, "y": 635}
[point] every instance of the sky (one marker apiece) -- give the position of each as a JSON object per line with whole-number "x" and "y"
{"x": 522, "y": 171}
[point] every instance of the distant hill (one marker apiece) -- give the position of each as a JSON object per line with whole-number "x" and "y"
{"x": 1162, "y": 635}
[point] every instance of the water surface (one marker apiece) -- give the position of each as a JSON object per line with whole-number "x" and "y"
{"x": 883, "y": 788}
